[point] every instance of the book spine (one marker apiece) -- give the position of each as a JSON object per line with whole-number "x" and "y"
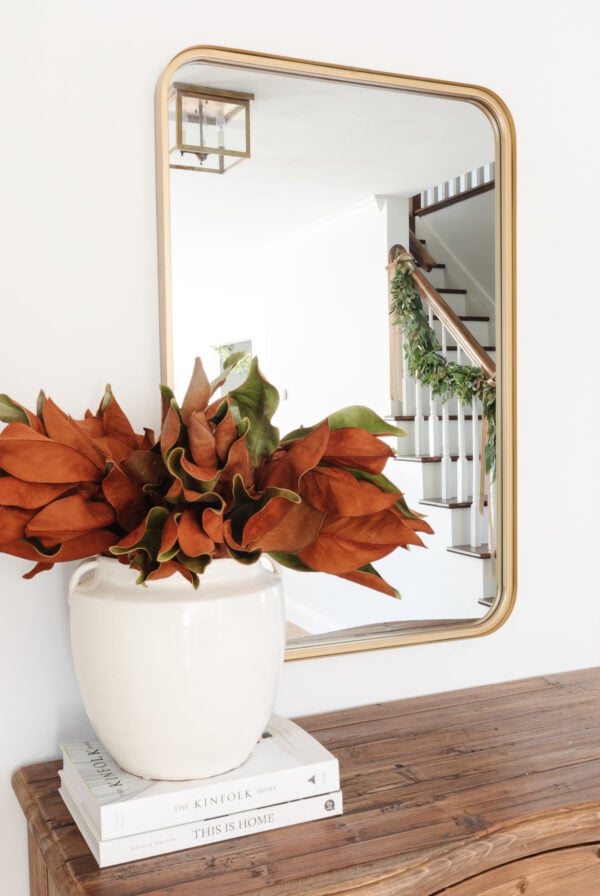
{"x": 227, "y": 827}
{"x": 208, "y": 801}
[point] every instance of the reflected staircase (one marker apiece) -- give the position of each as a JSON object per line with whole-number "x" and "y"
{"x": 439, "y": 460}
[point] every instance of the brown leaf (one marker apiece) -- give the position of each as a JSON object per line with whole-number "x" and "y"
{"x": 62, "y": 429}
{"x": 353, "y": 447}
{"x": 193, "y": 541}
{"x": 126, "y": 497}
{"x": 198, "y": 392}
{"x": 32, "y": 457}
{"x": 68, "y": 517}
{"x": 169, "y": 534}
{"x": 116, "y": 424}
{"x": 13, "y": 521}
{"x": 298, "y": 528}
{"x": 29, "y": 495}
{"x": 212, "y": 523}
{"x": 202, "y": 442}
{"x": 75, "y": 549}
{"x": 290, "y": 466}
{"x": 113, "y": 448}
{"x": 369, "y": 580}
{"x": 332, "y": 554}
{"x": 335, "y": 491}
{"x": 145, "y": 467}
{"x": 238, "y": 462}
{"x": 225, "y": 435}
{"x": 170, "y": 432}
{"x": 265, "y": 519}
{"x": 383, "y": 528}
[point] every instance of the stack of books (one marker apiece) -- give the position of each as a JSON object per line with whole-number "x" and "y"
{"x": 289, "y": 778}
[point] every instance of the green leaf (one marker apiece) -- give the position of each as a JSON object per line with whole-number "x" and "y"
{"x": 149, "y": 543}
{"x": 290, "y": 561}
{"x": 189, "y": 482}
{"x": 357, "y": 416}
{"x": 107, "y": 397}
{"x": 247, "y": 557}
{"x": 11, "y": 412}
{"x": 257, "y": 400}
{"x": 363, "y": 418}
{"x": 228, "y": 364}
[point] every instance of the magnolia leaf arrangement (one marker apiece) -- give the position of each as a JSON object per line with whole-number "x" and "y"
{"x": 429, "y": 366}
{"x": 218, "y": 482}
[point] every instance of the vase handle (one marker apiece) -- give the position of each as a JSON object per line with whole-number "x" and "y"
{"x": 82, "y": 569}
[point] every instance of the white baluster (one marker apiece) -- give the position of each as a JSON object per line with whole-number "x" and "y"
{"x": 434, "y": 420}
{"x": 420, "y": 446}
{"x": 476, "y": 518}
{"x": 462, "y": 472}
{"x": 408, "y": 385}
{"x": 446, "y": 471}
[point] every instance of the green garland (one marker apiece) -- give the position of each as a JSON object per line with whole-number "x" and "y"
{"x": 430, "y": 367}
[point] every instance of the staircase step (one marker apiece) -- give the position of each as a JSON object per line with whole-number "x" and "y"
{"x": 410, "y": 418}
{"x": 468, "y": 317}
{"x": 466, "y": 550}
{"x": 406, "y": 445}
{"x": 488, "y": 348}
{"x": 450, "y": 503}
{"x": 479, "y": 327}
{"x": 426, "y": 459}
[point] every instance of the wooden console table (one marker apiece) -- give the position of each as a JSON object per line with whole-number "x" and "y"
{"x": 491, "y": 791}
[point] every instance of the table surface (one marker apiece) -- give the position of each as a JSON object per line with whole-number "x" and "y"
{"x": 436, "y": 789}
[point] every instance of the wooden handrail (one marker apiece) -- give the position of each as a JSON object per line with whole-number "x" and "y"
{"x": 449, "y": 319}
{"x": 422, "y": 257}
{"x": 419, "y": 211}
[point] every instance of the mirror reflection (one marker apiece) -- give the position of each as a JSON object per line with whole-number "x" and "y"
{"x": 286, "y": 194}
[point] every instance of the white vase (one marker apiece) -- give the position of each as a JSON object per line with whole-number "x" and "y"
{"x": 177, "y": 683}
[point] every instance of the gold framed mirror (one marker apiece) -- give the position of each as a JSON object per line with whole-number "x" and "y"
{"x": 287, "y": 256}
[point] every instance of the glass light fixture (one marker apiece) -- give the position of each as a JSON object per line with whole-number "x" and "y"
{"x": 209, "y": 130}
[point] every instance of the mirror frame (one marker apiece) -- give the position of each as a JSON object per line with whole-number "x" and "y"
{"x": 505, "y": 177}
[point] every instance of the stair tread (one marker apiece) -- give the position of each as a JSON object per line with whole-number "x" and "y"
{"x": 466, "y": 550}
{"x": 459, "y": 292}
{"x": 451, "y": 503}
{"x": 427, "y": 459}
{"x": 410, "y": 418}
{"x": 488, "y": 348}
{"x": 469, "y": 317}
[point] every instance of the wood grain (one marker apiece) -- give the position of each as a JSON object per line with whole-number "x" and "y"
{"x": 486, "y": 788}
{"x": 574, "y": 871}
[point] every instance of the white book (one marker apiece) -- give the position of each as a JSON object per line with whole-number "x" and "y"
{"x": 198, "y": 833}
{"x": 287, "y": 764}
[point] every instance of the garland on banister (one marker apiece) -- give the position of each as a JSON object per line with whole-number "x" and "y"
{"x": 427, "y": 364}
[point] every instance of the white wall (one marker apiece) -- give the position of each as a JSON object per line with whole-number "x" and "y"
{"x": 78, "y": 279}
{"x": 463, "y": 237}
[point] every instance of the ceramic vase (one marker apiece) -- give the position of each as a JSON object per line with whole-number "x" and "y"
{"x": 177, "y": 683}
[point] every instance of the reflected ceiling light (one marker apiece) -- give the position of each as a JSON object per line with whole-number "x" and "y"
{"x": 209, "y": 130}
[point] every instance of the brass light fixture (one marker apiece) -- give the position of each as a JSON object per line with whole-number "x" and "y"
{"x": 209, "y": 130}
